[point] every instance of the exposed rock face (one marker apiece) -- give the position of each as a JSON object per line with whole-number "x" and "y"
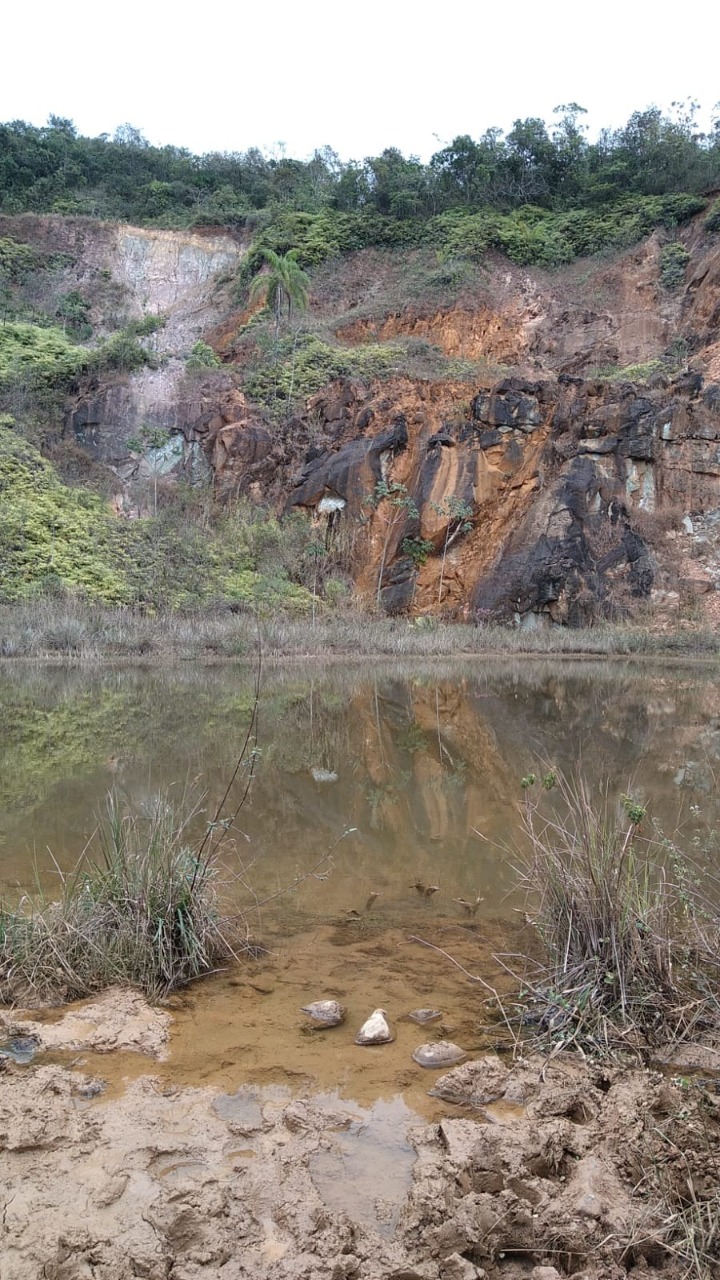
{"x": 567, "y": 479}
{"x": 572, "y": 482}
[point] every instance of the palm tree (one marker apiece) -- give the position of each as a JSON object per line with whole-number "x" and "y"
{"x": 284, "y": 284}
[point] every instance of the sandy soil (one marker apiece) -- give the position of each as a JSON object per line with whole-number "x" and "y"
{"x": 531, "y": 1165}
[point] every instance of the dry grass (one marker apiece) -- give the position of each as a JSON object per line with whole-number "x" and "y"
{"x": 630, "y": 936}
{"x": 49, "y": 628}
{"x": 145, "y": 912}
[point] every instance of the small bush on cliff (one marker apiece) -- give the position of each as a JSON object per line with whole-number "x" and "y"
{"x": 30, "y": 354}
{"x": 201, "y": 357}
{"x": 16, "y": 259}
{"x": 673, "y": 261}
{"x": 299, "y": 366}
{"x": 712, "y": 222}
{"x": 125, "y": 350}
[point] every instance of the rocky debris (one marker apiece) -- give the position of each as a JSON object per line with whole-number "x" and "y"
{"x": 118, "y": 1019}
{"x": 568, "y": 1176}
{"x": 475, "y": 1084}
{"x": 328, "y": 1013}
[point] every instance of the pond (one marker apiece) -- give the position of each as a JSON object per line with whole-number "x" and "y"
{"x": 421, "y": 765}
{"x": 373, "y": 785}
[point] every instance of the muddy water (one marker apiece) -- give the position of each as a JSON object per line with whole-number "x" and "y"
{"x": 379, "y": 782}
{"x": 423, "y": 764}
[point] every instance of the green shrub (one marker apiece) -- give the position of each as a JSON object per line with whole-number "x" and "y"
{"x": 531, "y": 236}
{"x": 16, "y": 259}
{"x": 56, "y": 539}
{"x": 674, "y": 258}
{"x": 712, "y": 222}
{"x": 74, "y": 311}
{"x": 47, "y": 529}
{"x": 305, "y": 365}
{"x": 202, "y": 356}
{"x": 46, "y": 356}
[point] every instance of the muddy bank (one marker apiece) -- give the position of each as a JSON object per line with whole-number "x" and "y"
{"x": 526, "y": 1165}
{"x": 117, "y": 1020}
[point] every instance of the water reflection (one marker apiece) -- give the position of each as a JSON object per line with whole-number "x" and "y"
{"x": 424, "y": 763}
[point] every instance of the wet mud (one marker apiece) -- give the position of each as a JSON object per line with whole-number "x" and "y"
{"x": 224, "y": 1138}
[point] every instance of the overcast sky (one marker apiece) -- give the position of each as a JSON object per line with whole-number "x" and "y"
{"x": 359, "y": 77}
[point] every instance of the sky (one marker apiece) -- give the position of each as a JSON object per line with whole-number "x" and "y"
{"x": 359, "y": 77}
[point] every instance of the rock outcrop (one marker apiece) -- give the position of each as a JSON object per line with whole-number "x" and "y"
{"x": 551, "y": 490}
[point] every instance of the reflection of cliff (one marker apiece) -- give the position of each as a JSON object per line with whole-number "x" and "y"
{"x": 417, "y": 763}
{"x": 422, "y": 764}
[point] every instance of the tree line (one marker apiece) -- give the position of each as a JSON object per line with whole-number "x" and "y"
{"x": 554, "y": 167}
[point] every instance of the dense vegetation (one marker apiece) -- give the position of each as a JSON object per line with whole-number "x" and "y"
{"x": 54, "y": 169}
{"x": 55, "y": 539}
{"x": 538, "y": 194}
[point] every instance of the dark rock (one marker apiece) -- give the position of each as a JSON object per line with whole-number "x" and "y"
{"x": 711, "y": 397}
{"x": 690, "y": 384}
{"x": 639, "y": 409}
{"x": 350, "y": 473}
{"x": 490, "y": 438}
{"x": 441, "y": 438}
{"x": 640, "y": 447}
{"x": 507, "y": 407}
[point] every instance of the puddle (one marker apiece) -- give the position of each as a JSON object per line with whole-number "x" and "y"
{"x": 366, "y": 1171}
{"x": 250, "y": 1107}
{"x": 21, "y": 1049}
{"x": 176, "y": 1171}
{"x": 243, "y": 1033}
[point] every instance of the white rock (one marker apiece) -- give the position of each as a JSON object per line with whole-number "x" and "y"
{"x": 376, "y": 1030}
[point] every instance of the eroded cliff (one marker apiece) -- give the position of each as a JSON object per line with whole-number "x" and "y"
{"x": 549, "y": 462}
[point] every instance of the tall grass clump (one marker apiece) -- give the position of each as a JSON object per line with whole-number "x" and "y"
{"x": 144, "y": 912}
{"x": 629, "y": 936}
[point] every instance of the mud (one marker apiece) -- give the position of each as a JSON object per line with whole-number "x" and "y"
{"x": 525, "y": 1165}
{"x": 117, "y": 1020}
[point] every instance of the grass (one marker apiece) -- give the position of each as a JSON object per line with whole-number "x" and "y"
{"x": 72, "y": 628}
{"x": 144, "y": 913}
{"x": 630, "y": 937}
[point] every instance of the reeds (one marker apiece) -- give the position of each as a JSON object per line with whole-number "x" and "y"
{"x": 145, "y": 912}
{"x": 77, "y": 630}
{"x": 629, "y": 936}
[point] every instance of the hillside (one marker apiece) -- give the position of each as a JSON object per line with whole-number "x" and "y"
{"x": 466, "y": 418}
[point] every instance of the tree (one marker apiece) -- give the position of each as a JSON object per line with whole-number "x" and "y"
{"x": 283, "y": 285}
